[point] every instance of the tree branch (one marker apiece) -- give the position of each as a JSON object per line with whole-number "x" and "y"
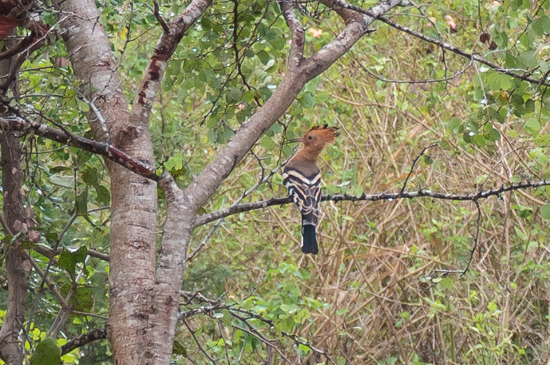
{"x": 482, "y": 194}
{"x": 51, "y": 253}
{"x": 51, "y": 286}
{"x": 84, "y": 339}
{"x": 476, "y": 239}
{"x": 460, "y": 52}
{"x": 166, "y": 45}
{"x": 443, "y": 45}
{"x": 297, "y": 34}
{"x": 99, "y": 148}
{"x": 159, "y": 18}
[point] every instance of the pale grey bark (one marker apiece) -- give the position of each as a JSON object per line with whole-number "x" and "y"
{"x": 134, "y": 198}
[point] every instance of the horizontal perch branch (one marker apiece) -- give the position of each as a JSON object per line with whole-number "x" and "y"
{"x": 484, "y": 194}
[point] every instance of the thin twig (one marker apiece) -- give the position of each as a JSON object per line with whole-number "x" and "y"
{"x": 47, "y": 281}
{"x": 413, "y": 165}
{"x": 197, "y": 341}
{"x": 45, "y": 273}
{"x": 476, "y": 239}
{"x": 262, "y": 180}
{"x": 299, "y": 342}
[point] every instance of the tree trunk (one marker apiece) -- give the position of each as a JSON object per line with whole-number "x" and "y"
{"x": 14, "y": 222}
{"x": 134, "y": 198}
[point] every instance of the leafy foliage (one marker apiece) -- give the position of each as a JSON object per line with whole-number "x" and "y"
{"x": 382, "y": 290}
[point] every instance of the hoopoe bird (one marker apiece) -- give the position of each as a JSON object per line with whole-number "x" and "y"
{"x": 302, "y": 178}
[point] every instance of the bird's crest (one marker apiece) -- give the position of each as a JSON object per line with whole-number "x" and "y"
{"x": 328, "y": 134}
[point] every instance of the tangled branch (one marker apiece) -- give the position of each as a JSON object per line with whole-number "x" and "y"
{"x": 445, "y": 46}
{"x": 212, "y": 305}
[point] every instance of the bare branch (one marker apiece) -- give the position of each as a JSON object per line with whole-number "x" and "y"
{"x": 51, "y": 253}
{"x": 198, "y": 342}
{"x": 476, "y": 240}
{"x": 159, "y": 18}
{"x": 297, "y": 341}
{"x": 460, "y": 52}
{"x": 206, "y": 218}
{"x": 413, "y": 165}
{"x": 99, "y": 148}
{"x": 439, "y": 43}
{"x": 84, "y": 339}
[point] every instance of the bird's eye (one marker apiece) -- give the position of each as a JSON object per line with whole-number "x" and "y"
{"x": 310, "y": 137}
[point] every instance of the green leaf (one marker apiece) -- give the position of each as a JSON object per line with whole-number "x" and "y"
{"x": 504, "y": 81}
{"x": 267, "y": 142}
{"x": 541, "y": 25}
{"x": 264, "y": 57}
{"x": 81, "y": 202}
{"x": 70, "y": 257}
{"x": 454, "y": 123}
{"x": 528, "y": 58}
{"x": 233, "y": 95}
{"x": 520, "y": 234}
{"x": 510, "y": 61}
{"x": 545, "y": 211}
{"x": 302, "y": 316}
{"x": 542, "y": 140}
{"x": 64, "y": 181}
{"x": 103, "y": 194}
{"x": 90, "y": 176}
{"x": 532, "y": 126}
{"x": 83, "y": 301}
{"x": 289, "y": 308}
{"x": 446, "y": 283}
{"x": 46, "y": 353}
{"x": 57, "y": 169}
{"x": 494, "y": 135}
{"x": 48, "y": 17}
{"x": 83, "y": 157}
{"x": 174, "y": 163}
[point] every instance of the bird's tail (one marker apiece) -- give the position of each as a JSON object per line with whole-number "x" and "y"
{"x": 309, "y": 239}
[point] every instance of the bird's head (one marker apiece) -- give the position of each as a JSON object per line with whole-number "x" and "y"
{"x": 318, "y": 136}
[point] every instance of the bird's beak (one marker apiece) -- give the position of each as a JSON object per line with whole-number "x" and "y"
{"x": 295, "y": 140}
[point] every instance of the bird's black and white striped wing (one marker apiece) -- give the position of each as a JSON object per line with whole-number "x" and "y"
{"x": 305, "y": 191}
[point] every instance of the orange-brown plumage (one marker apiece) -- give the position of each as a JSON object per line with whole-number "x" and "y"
{"x": 314, "y": 141}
